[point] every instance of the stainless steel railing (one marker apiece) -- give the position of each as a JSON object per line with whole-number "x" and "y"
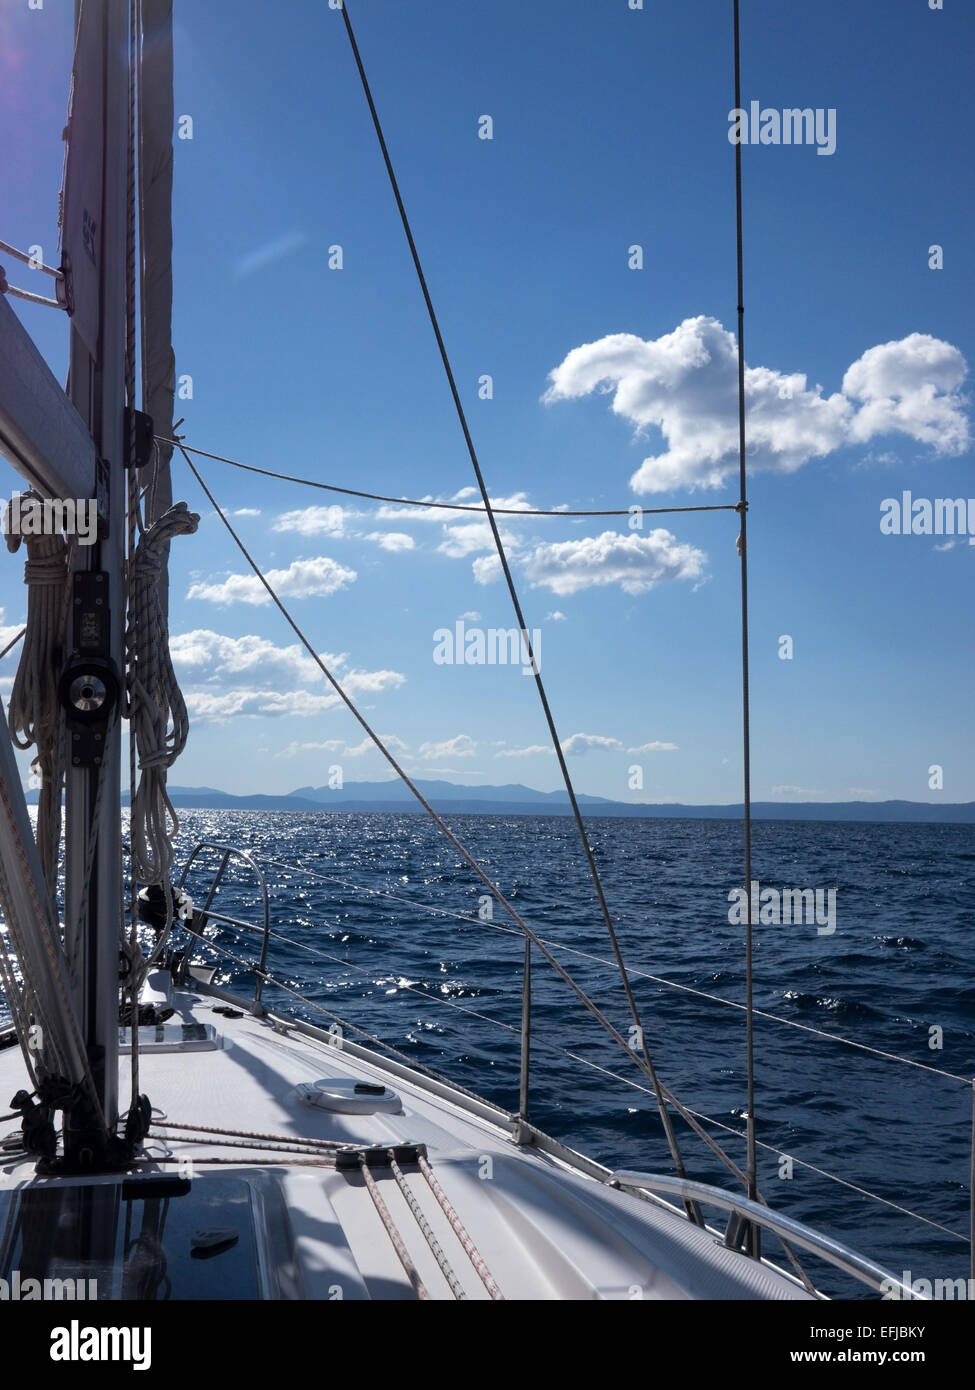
{"x": 201, "y": 917}
{"x": 745, "y": 1212}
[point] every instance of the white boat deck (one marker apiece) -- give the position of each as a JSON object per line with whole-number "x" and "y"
{"x": 544, "y": 1228}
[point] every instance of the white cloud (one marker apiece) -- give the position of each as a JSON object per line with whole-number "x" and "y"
{"x": 461, "y": 746}
{"x": 388, "y": 511}
{"x": 471, "y": 616}
{"x": 632, "y": 561}
{"x": 394, "y": 744}
{"x": 462, "y": 538}
{"x": 329, "y": 745}
{"x": 444, "y": 771}
{"x": 528, "y": 752}
{"x": 8, "y": 633}
{"x": 685, "y": 385}
{"x": 556, "y": 617}
{"x": 204, "y": 655}
{"x": 910, "y": 387}
{"x": 341, "y": 746}
{"x": 577, "y": 744}
{"x": 211, "y": 704}
{"x": 464, "y": 534}
{"x": 268, "y": 254}
{"x": 884, "y": 459}
{"x": 794, "y": 792}
{"x": 467, "y": 537}
{"x": 370, "y": 682}
{"x": 223, "y": 676}
{"x": 247, "y": 511}
{"x": 392, "y": 540}
{"x": 655, "y": 747}
{"x": 487, "y": 568}
{"x": 205, "y": 704}
{"x": 316, "y": 578}
{"x": 466, "y": 496}
{"x": 314, "y": 521}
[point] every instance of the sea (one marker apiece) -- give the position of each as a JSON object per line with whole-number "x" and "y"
{"x": 865, "y": 1009}
{"x": 865, "y": 1034}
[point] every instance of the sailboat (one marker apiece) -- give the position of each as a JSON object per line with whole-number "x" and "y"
{"x": 170, "y": 1137}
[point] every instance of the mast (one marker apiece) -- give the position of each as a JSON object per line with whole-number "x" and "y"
{"x": 93, "y": 892}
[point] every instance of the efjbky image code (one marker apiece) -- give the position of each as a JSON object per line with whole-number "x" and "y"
{"x": 359, "y": 361}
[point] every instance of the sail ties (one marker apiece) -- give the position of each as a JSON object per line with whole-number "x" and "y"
{"x": 156, "y": 707}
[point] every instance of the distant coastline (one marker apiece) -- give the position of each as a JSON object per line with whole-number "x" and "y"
{"x": 448, "y": 798}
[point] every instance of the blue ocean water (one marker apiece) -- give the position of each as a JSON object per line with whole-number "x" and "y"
{"x": 447, "y": 992}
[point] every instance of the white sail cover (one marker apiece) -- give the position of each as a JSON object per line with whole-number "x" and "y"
{"x": 81, "y": 212}
{"x": 159, "y": 383}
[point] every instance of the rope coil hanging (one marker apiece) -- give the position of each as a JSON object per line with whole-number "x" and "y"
{"x": 156, "y": 709}
{"x": 34, "y": 713}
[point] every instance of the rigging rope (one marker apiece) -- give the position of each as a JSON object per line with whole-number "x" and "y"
{"x": 155, "y": 701}
{"x": 59, "y": 1054}
{"x": 834, "y": 1177}
{"x": 411, "y": 1062}
{"x": 663, "y": 1093}
{"x": 34, "y": 715}
{"x": 133, "y": 524}
{"x": 752, "y": 1160}
{"x": 693, "y": 1210}
{"x": 251, "y": 1134}
{"x": 599, "y": 960}
{"x": 328, "y": 1148}
{"x": 628, "y": 1081}
{"x": 446, "y": 1269}
{"x": 440, "y": 506}
{"x": 470, "y": 1249}
{"x": 392, "y": 1232}
{"x": 13, "y": 642}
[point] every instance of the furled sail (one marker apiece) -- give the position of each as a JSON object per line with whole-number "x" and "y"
{"x": 81, "y": 209}
{"x": 156, "y": 188}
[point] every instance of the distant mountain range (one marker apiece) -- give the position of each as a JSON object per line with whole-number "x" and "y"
{"x": 515, "y": 799}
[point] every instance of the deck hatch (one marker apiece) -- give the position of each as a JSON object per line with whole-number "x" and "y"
{"x": 348, "y": 1096}
{"x": 172, "y": 1037}
{"x": 147, "y": 1238}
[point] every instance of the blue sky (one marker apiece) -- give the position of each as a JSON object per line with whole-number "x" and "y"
{"x": 610, "y": 130}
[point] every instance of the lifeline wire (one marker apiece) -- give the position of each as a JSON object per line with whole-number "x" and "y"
{"x": 601, "y": 960}
{"x": 438, "y": 506}
{"x": 660, "y": 1091}
{"x": 693, "y": 1210}
{"x": 752, "y": 1158}
{"x": 468, "y": 857}
{"x": 606, "y": 1071}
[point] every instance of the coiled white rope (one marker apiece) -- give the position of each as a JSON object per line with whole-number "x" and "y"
{"x": 156, "y": 707}
{"x": 34, "y": 713}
